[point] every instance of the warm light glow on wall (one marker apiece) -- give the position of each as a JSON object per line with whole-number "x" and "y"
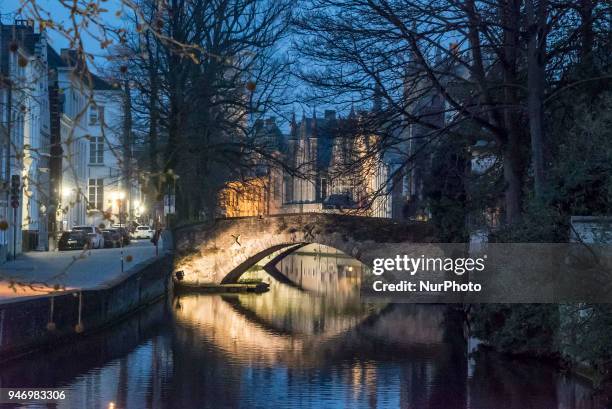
{"x": 66, "y": 191}
{"x": 118, "y": 195}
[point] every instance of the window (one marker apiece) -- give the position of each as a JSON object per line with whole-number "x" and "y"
{"x": 323, "y": 188}
{"x": 93, "y": 115}
{"x": 96, "y": 150}
{"x": 96, "y": 114}
{"x": 96, "y": 194}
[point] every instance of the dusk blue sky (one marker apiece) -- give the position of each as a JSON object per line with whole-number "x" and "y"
{"x": 60, "y": 14}
{"x": 9, "y": 10}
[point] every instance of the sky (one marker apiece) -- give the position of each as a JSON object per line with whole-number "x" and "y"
{"x": 61, "y": 14}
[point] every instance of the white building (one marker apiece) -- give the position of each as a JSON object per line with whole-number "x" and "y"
{"x": 74, "y": 95}
{"x": 89, "y": 176}
{"x": 35, "y": 171}
{"x": 25, "y": 137}
{"x": 110, "y": 196}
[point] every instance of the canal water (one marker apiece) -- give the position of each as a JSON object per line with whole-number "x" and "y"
{"x": 310, "y": 342}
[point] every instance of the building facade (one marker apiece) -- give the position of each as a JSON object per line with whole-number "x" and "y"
{"x": 90, "y": 177}
{"x": 25, "y": 139}
{"x": 70, "y": 140}
{"x": 110, "y": 198}
{"x": 62, "y": 145}
{"x": 329, "y": 167}
{"x": 336, "y": 168}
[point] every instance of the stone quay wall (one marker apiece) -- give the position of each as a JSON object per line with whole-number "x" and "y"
{"x": 37, "y": 322}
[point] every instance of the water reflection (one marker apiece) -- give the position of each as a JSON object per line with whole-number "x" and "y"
{"x": 310, "y": 345}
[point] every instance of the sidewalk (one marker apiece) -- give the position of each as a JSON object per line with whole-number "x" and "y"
{"x": 41, "y": 271}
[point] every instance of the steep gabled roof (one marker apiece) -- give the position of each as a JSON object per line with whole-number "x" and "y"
{"x": 100, "y": 84}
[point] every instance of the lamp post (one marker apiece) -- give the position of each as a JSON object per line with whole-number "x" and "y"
{"x": 119, "y": 197}
{"x": 67, "y": 193}
{"x": 42, "y": 228}
{"x": 8, "y": 83}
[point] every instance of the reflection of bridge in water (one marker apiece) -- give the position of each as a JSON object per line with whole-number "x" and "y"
{"x": 318, "y": 315}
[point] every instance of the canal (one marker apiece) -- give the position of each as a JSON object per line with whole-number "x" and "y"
{"x": 309, "y": 342}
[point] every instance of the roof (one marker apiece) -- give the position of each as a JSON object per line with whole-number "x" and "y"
{"x": 21, "y": 33}
{"x": 99, "y": 84}
{"x": 66, "y": 60}
{"x": 54, "y": 59}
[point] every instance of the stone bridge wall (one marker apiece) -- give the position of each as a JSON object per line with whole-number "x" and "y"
{"x": 220, "y": 252}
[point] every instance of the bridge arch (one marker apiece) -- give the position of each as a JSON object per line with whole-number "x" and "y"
{"x": 220, "y": 252}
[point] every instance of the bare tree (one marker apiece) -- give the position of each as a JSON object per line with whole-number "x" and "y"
{"x": 208, "y": 73}
{"x": 493, "y": 64}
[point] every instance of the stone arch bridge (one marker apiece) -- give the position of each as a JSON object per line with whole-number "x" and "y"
{"x": 220, "y": 252}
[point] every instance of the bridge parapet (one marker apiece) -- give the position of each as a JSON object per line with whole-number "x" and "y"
{"x": 220, "y": 252}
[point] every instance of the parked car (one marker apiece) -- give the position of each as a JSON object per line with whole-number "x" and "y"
{"x": 143, "y": 232}
{"x": 339, "y": 202}
{"x": 112, "y": 238}
{"x": 125, "y": 234}
{"x": 94, "y": 234}
{"x": 72, "y": 240}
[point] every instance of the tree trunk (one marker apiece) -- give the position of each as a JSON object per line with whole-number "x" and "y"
{"x": 585, "y": 9}
{"x": 513, "y": 177}
{"x": 512, "y": 155}
{"x": 536, "y": 28}
{"x": 127, "y": 149}
{"x": 155, "y": 188}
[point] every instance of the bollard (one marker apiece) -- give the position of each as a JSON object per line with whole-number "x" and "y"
{"x": 51, "y": 325}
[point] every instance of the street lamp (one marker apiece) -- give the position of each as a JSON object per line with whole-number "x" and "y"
{"x": 119, "y": 196}
{"x": 139, "y": 208}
